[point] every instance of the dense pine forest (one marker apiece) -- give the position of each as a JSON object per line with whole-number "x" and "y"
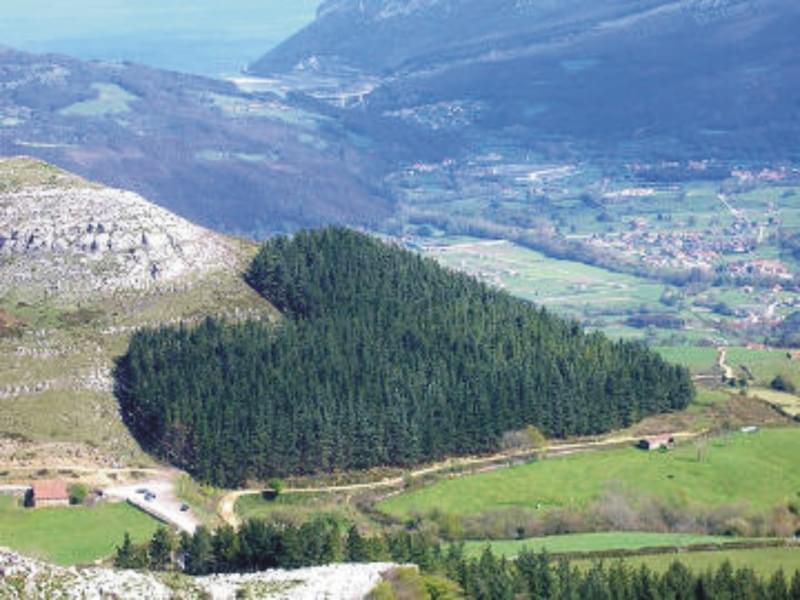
{"x": 446, "y": 573}
{"x": 384, "y": 358}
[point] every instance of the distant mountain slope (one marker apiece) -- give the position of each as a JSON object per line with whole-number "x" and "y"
{"x": 81, "y": 268}
{"x": 238, "y": 162}
{"x": 632, "y": 79}
{"x": 383, "y": 36}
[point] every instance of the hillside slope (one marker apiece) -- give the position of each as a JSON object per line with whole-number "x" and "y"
{"x": 81, "y": 268}
{"x": 62, "y": 236}
{"x": 632, "y": 80}
{"x": 385, "y": 359}
{"x": 237, "y": 162}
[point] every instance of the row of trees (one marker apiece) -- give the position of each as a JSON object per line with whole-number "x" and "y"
{"x": 385, "y": 358}
{"x": 260, "y": 545}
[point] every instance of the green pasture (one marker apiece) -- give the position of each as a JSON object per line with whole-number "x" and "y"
{"x": 764, "y": 561}
{"x": 765, "y": 364}
{"x": 74, "y": 535}
{"x": 593, "y": 542}
{"x": 564, "y": 285}
{"x": 111, "y": 100}
{"x": 787, "y": 403}
{"x": 696, "y": 359}
{"x": 758, "y": 470}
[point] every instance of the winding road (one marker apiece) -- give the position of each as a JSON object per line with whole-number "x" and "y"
{"x": 226, "y": 508}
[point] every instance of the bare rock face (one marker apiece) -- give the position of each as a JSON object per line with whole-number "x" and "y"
{"x": 22, "y": 578}
{"x": 60, "y": 235}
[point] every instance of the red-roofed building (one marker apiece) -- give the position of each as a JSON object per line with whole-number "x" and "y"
{"x": 49, "y": 493}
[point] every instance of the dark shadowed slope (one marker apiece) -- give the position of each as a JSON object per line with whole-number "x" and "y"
{"x": 244, "y": 163}
{"x": 645, "y": 79}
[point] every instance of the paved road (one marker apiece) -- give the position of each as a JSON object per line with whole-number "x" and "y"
{"x": 165, "y": 506}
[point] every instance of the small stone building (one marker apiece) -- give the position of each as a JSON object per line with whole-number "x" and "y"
{"x": 657, "y": 442}
{"x": 48, "y": 493}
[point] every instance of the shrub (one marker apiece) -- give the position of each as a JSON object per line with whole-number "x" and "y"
{"x": 78, "y": 493}
{"x": 274, "y": 489}
{"x": 536, "y": 437}
{"x": 382, "y": 591}
{"x": 782, "y": 384}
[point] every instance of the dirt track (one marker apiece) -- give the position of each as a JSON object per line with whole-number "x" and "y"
{"x": 226, "y": 508}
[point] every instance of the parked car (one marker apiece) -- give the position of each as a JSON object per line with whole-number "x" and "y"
{"x": 184, "y": 507}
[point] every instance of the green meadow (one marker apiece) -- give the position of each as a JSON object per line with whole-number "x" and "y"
{"x": 759, "y": 470}
{"x": 696, "y": 358}
{"x": 592, "y": 542}
{"x": 70, "y": 536}
{"x": 764, "y": 365}
{"x": 764, "y": 561}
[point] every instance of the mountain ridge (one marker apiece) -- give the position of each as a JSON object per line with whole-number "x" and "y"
{"x": 712, "y": 78}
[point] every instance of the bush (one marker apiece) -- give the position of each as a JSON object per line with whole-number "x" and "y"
{"x": 441, "y": 588}
{"x": 382, "y": 591}
{"x": 78, "y": 493}
{"x": 782, "y": 384}
{"x": 274, "y": 489}
{"x": 536, "y": 437}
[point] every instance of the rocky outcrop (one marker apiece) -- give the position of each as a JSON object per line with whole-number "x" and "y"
{"x": 23, "y": 579}
{"x": 82, "y": 240}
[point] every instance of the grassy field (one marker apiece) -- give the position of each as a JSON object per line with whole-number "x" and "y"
{"x": 111, "y": 100}
{"x": 765, "y": 364}
{"x": 758, "y": 470}
{"x": 696, "y": 359}
{"x": 765, "y": 561}
{"x": 788, "y": 403}
{"x": 571, "y": 286}
{"x": 591, "y": 542}
{"x": 70, "y": 536}
{"x": 299, "y": 508}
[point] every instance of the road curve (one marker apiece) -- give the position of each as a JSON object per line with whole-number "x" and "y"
{"x": 226, "y": 507}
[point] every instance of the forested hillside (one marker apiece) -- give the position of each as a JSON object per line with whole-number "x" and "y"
{"x": 384, "y": 358}
{"x": 617, "y": 80}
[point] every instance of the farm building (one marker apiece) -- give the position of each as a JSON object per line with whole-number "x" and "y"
{"x": 48, "y": 493}
{"x": 657, "y": 442}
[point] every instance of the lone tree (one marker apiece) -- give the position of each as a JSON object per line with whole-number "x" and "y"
{"x": 122, "y": 559}
{"x": 162, "y": 545}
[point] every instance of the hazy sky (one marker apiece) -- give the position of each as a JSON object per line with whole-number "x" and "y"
{"x": 211, "y": 37}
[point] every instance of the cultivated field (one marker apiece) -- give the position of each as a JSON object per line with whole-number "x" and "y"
{"x": 568, "y": 287}
{"x": 74, "y": 535}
